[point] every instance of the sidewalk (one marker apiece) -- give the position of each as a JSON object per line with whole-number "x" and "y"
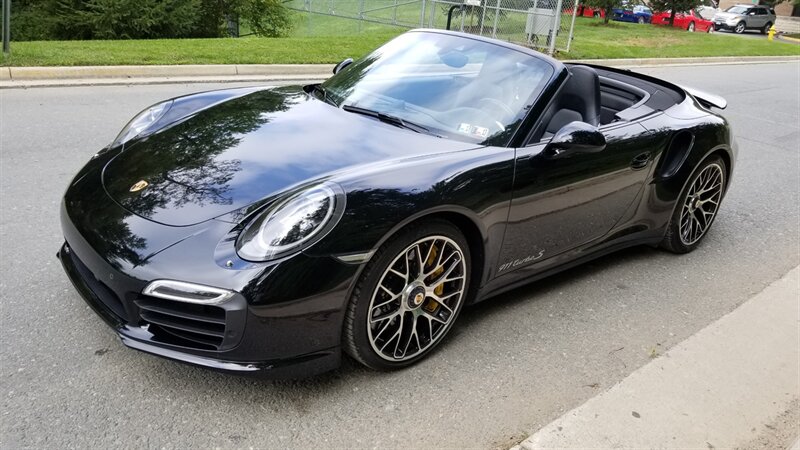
{"x": 22, "y": 77}
{"x": 734, "y": 384}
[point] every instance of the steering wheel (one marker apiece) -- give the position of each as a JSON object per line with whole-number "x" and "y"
{"x": 495, "y": 103}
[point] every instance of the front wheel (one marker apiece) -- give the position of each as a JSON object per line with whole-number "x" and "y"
{"x": 690, "y": 28}
{"x": 697, "y": 207}
{"x": 408, "y": 297}
{"x": 740, "y": 27}
{"x": 641, "y": 20}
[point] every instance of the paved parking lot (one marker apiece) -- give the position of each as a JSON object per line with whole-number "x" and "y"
{"x": 510, "y": 366}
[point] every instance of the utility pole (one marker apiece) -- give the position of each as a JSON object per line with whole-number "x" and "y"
{"x": 6, "y": 27}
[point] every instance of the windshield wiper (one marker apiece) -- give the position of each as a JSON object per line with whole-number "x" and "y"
{"x": 387, "y": 118}
{"x": 324, "y": 93}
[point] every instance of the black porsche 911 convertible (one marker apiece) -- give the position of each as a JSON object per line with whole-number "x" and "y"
{"x": 266, "y": 230}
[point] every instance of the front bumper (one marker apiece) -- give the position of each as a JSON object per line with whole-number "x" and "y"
{"x": 125, "y": 316}
{"x": 284, "y": 320}
{"x": 723, "y": 26}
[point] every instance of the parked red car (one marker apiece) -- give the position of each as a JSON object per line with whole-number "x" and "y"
{"x": 586, "y": 11}
{"x": 689, "y": 21}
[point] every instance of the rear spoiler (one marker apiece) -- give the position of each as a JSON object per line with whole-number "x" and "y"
{"x": 706, "y": 99}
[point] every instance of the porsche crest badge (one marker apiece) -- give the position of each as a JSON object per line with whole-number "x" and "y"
{"x": 139, "y": 185}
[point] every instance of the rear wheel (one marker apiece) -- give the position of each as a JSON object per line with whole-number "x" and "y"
{"x": 740, "y": 27}
{"x": 766, "y": 28}
{"x": 596, "y": 14}
{"x": 408, "y": 297}
{"x": 697, "y": 207}
{"x": 690, "y": 28}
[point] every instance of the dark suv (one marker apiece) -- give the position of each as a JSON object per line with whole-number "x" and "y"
{"x": 745, "y": 17}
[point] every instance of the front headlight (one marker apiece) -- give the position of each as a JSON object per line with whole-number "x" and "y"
{"x": 141, "y": 122}
{"x": 293, "y": 225}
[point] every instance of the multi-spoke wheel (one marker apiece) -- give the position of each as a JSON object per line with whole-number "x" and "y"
{"x": 698, "y": 207}
{"x": 408, "y": 297}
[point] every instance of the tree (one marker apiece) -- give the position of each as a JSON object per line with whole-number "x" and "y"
{"x": 674, "y": 6}
{"x": 143, "y": 19}
{"x": 606, "y": 5}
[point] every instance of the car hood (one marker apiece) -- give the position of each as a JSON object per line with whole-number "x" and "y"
{"x": 248, "y": 149}
{"x": 726, "y": 15}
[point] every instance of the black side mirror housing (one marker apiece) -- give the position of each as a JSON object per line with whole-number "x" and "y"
{"x": 339, "y": 67}
{"x": 575, "y": 137}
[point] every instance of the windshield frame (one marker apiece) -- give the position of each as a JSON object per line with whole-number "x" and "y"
{"x": 550, "y": 69}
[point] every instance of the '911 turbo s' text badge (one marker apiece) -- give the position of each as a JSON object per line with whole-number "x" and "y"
{"x": 139, "y": 185}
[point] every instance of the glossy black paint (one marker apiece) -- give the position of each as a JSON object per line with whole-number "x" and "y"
{"x": 220, "y": 157}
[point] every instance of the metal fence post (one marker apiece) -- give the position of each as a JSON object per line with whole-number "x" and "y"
{"x": 6, "y": 27}
{"x": 360, "y": 14}
{"x": 422, "y": 15}
{"x": 483, "y": 16}
{"x": 572, "y": 25}
{"x": 496, "y": 17}
{"x": 556, "y": 26}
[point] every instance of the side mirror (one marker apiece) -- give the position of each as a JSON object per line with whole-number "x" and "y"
{"x": 575, "y": 137}
{"x": 339, "y": 67}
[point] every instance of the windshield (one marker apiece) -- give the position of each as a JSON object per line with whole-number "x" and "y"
{"x": 449, "y": 86}
{"x": 737, "y": 9}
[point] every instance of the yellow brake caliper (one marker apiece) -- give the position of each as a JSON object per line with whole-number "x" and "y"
{"x": 431, "y": 305}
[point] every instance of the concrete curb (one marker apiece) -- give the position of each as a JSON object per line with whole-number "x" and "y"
{"x": 719, "y": 388}
{"x": 13, "y": 77}
{"x": 127, "y": 72}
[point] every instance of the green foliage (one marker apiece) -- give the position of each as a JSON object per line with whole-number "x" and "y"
{"x": 267, "y": 18}
{"x": 674, "y": 6}
{"x": 606, "y": 5}
{"x": 142, "y": 19}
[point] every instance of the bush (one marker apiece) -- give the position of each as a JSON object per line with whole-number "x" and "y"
{"x": 142, "y": 19}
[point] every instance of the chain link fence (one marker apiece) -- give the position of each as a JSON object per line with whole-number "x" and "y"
{"x": 545, "y": 25}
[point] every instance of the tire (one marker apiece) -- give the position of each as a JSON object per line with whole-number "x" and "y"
{"x": 740, "y": 27}
{"x": 710, "y": 29}
{"x": 596, "y": 15}
{"x": 390, "y": 294}
{"x": 686, "y": 229}
{"x": 690, "y": 28}
{"x": 766, "y": 28}
{"x": 640, "y": 20}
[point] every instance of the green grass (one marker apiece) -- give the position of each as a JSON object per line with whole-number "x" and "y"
{"x": 322, "y": 39}
{"x": 628, "y": 40}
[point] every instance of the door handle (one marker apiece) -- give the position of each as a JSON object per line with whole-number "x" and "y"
{"x": 640, "y": 161}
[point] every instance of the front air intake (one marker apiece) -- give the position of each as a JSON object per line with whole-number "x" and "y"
{"x": 184, "y": 324}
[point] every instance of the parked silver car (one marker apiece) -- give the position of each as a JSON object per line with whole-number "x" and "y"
{"x": 739, "y": 18}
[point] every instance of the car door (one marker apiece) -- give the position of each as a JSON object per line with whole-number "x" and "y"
{"x": 680, "y": 20}
{"x": 758, "y": 19}
{"x": 561, "y": 203}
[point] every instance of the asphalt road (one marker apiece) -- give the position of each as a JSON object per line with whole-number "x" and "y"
{"x": 510, "y": 366}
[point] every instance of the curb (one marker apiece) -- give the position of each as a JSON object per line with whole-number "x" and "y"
{"x": 722, "y": 387}
{"x": 11, "y": 77}
{"x": 127, "y": 72}
{"x": 787, "y": 38}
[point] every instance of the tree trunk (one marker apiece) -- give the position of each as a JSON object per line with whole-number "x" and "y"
{"x": 671, "y": 16}
{"x": 608, "y": 16}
